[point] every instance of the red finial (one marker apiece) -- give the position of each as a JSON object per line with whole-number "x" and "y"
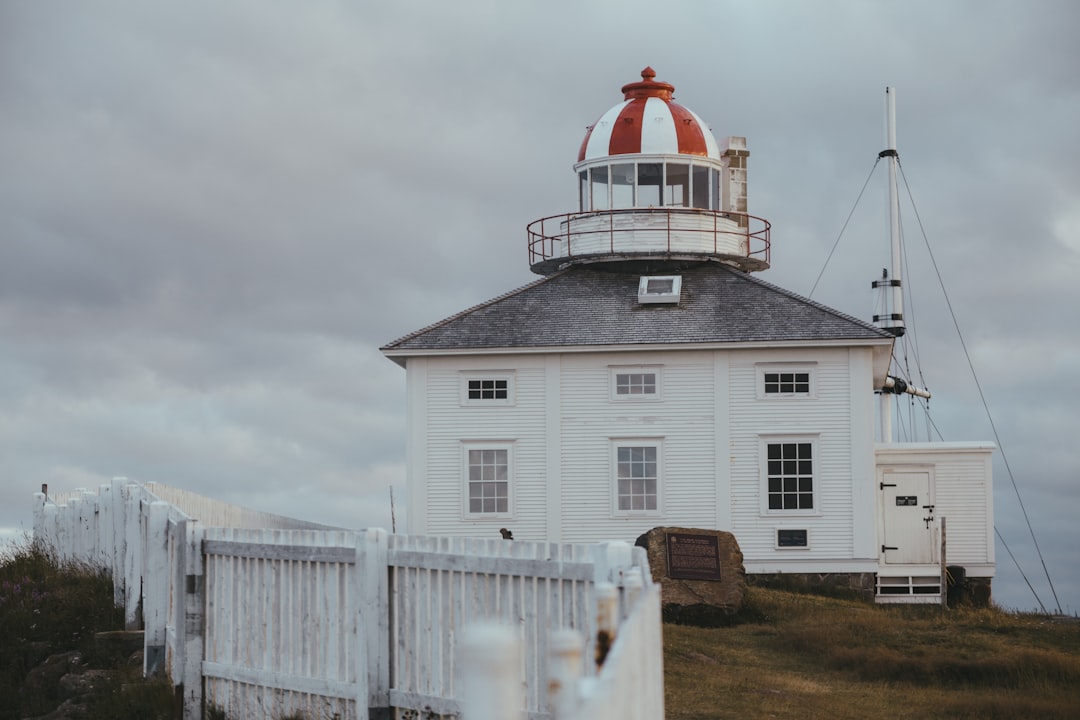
{"x": 648, "y": 87}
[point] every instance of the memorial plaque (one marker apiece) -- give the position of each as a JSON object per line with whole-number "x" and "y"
{"x": 907, "y": 500}
{"x": 693, "y": 557}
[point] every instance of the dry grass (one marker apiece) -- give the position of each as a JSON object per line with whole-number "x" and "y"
{"x": 49, "y": 607}
{"x": 802, "y": 656}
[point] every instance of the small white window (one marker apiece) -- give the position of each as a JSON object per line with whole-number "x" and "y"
{"x": 637, "y": 477}
{"x": 659, "y": 288}
{"x": 789, "y": 475}
{"x": 792, "y": 539}
{"x": 786, "y": 381}
{"x": 635, "y": 383}
{"x": 487, "y": 472}
{"x": 487, "y": 388}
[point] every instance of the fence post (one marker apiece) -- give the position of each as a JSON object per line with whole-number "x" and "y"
{"x": 373, "y": 574}
{"x": 156, "y": 588}
{"x": 39, "y": 517}
{"x": 87, "y": 547}
{"x": 117, "y": 541}
{"x": 611, "y": 561}
{"x": 564, "y": 673}
{"x": 192, "y": 631}
{"x": 491, "y": 663}
{"x": 49, "y": 529}
{"x": 133, "y": 546}
{"x": 103, "y": 556}
{"x": 633, "y": 584}
{"x": 73, "y": 529}
{"x": 943, "y": 582}
{"x": 607, "y": 620}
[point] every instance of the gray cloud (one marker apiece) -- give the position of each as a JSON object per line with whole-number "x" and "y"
{"x": 211, "y": 216}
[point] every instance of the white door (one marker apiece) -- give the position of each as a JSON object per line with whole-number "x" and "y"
{"x": 908, "y": 518}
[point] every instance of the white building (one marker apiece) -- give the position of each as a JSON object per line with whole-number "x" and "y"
{"x": 648, "y": 379}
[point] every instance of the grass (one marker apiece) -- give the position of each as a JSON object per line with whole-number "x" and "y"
{"x": 803, "y": 656}
{"x": 50, "y": 608}
{"x": 47, "y": 608}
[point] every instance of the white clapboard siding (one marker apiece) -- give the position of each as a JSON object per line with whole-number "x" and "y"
{"x": 521, "y": 424}
{"x": 962, "y": 476}
{"x": 826, "y": 416}
{"x": 682, "y": 421}
{"x": 970, "y": 522}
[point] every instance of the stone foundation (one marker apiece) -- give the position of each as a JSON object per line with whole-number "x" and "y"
{"x": 857, "y": 585}
{"x": 965, "y": 590}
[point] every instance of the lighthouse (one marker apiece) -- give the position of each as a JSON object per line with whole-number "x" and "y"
{"x": 649, "y": 378}
{"x": 655, "y": 191}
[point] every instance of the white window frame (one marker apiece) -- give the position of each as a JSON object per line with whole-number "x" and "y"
{"x": 670, "y": 297}
{"x": 480, "y": 376}
{"x": 637, "y": 442}
{"x": 815, "y": 474}
{"x": 617, "y": 370}
{"x": 466, "y": 481}
{"x": 809, "y": 368}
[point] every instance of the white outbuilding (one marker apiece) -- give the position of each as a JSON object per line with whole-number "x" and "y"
{"x": 649, "y": 379}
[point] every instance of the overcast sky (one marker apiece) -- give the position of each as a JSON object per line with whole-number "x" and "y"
{"x": 213, "y": 214}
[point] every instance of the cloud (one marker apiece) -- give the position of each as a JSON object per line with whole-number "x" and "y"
{"x": 211, "y": 216}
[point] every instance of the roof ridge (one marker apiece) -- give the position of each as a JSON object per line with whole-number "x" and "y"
{"x": 467, "y": 311}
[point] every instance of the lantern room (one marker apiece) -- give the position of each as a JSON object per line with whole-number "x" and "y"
{"x": 654, "y": 186}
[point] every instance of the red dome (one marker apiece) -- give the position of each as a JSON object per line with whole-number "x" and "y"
{"x": 647, "y": 121}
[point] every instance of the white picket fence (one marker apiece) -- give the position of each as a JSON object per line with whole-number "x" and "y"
{"x": 265, "y": 616}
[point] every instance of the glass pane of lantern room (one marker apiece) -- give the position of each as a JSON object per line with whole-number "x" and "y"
{"x": 622, "y": 185}
{"x": 599, "y": 188}
{"x": 677, "y": 185}
{"x": 649, "y": 179}
{"x": 700, "y": 187}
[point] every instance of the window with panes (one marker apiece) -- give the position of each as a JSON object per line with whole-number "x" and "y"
{"x": 488, "y": 389}
{"x": 789, "y": 475}
{"x": 787, "y": 383}
{"x": 637, "y": 478}
{"x": 488, "y": 480}
{"x": 635, "y": 383}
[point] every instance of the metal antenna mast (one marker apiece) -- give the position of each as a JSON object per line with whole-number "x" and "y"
{"x": 890, "y": 287}
{"x": 891, "y": 318}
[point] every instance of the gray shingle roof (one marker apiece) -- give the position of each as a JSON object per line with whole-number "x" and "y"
{"x": 581, "y": 306}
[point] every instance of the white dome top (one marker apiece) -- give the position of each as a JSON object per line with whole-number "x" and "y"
{"x": 648, "y": 122}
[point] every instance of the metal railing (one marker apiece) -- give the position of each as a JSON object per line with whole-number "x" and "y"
{"x": 673, "y": 231}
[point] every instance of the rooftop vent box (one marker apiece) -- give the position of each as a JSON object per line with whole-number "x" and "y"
{"x": 659, "y": 289}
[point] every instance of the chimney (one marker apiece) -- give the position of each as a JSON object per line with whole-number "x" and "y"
{"x": 733, "y": 184}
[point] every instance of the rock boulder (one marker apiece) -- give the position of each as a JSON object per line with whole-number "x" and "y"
{"x": 701, "y": 573}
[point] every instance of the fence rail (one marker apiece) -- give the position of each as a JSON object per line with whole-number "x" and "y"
{"x": 267, "y": 616}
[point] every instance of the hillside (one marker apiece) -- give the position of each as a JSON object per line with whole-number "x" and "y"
{"x": 60, "y": 656}
{"x": 802, "y": 656}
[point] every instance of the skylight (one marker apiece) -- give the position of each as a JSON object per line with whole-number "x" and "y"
{"x": 659, "y": 289}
